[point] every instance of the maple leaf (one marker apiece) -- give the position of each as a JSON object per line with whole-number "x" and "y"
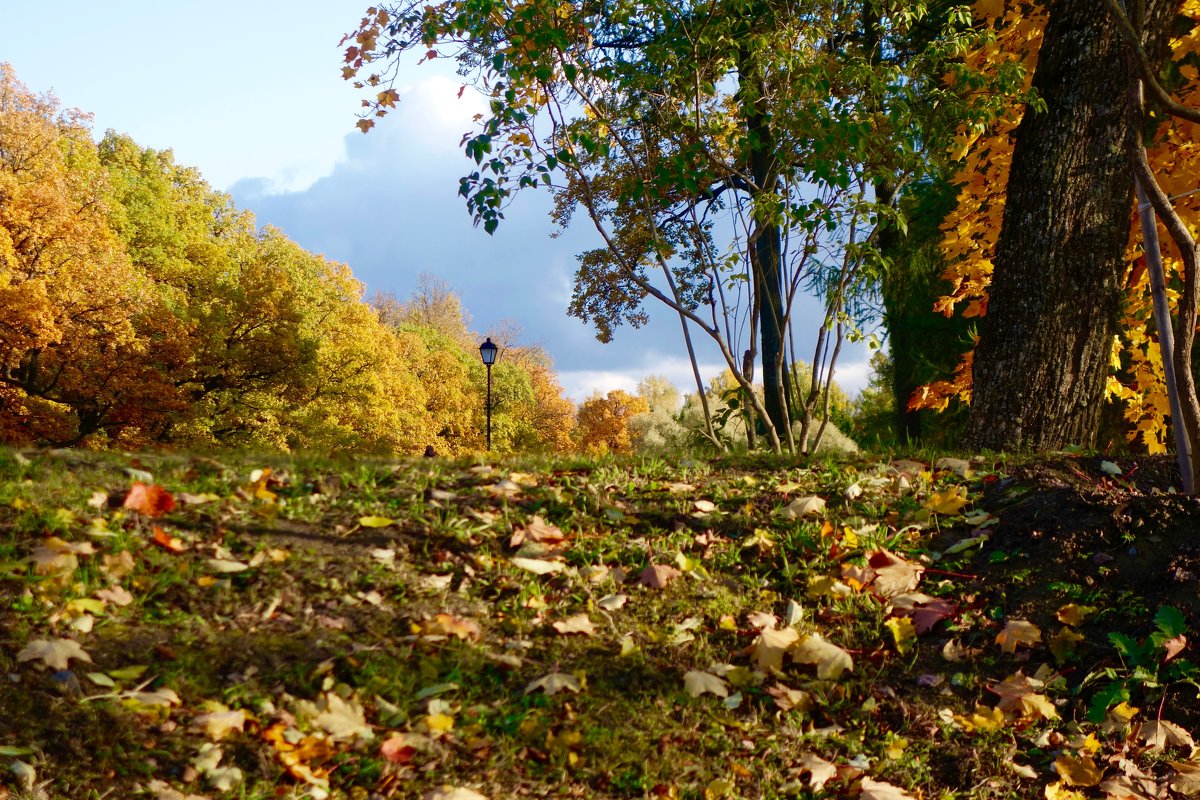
{"x": 880, "y": 790}
{"x": 1057, "y": 791}
{"x": 982, "y": 719}
{"x": 697, "y": 683}
{"x": 220, "y": 722}
{"x": 831, "y": 661}
{"x": 762, "y": 619}
{"x": 948, "y": 502}
{"x": 342, "y": 719}
{"x": 1074, "y": 615}
{"x": 400, "y": 747}
{"x": 819, "y": 770}
{"x": 1018, "y": 694}
{"x": 1078, "y": 771}
{"x": 894, "y": 575}
{"x": 811, "y": 506}
{"x": 538, "y": 530}
{"x": 208, "y": 764}
{"x": 924, "y": 611}
{"x": 656, "y": 576}
{"x": 54, "y": 653}
{"x": 770, "y": 646}
{"x": 150, "y": 500}
{"x": 1062, "y": 644}
{"x": 1160, "y": 734}
{"x": 55, "y": 555}
{"x": 554, "y": 683}
{"x": 1186, "y": 780}
{"x": 1018, "y": 632}
{"x": 788, "y": 699}
{"x": 576, "y": 624}
{"x": 1173, "y": 647}
{"x": 450, "y": 625}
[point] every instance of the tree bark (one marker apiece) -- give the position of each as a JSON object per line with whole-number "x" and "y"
{"x": 1044, "y": 344}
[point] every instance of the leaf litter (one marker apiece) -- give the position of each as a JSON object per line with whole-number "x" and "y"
{"x": 512, "y": 640}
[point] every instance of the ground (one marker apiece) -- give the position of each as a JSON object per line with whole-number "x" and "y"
{"x": 187, "y": 627}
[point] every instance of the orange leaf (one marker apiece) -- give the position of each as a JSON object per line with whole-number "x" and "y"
{"x": 166, "y": 541}
{"x": 151, "y": 500}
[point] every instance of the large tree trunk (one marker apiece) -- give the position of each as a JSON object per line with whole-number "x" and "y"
{"x": 1043, "y": 352}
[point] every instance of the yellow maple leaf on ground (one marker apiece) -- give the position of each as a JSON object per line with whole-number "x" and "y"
{"x": 948, "y": 502}
{"x": 1017, "y": 632}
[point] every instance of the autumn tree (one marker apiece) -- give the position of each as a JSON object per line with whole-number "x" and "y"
{"x": 603, "y": 422}
{"x": 726, "y": 153}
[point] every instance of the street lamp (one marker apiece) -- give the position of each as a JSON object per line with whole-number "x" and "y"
{"x": 487, "y": 351}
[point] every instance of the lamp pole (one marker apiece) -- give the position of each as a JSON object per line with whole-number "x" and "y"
{"x": 487, "y": 351}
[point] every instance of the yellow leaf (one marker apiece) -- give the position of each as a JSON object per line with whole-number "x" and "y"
{"x": 948, "y": 502}
{"x": 903, "y": 633}
{"x": 697, "y": 683}
{"x": 1018, "y": 632}
{"x": 1056, "y": 791}
{"x": 1078, "y": 771}
{"x": 375, "y": 522}
{"x": 770, "y": 646}
{"x": 831, "y": 661}
{"x": 982, "y": 719}
{"x": 1062, "y": 644}
{"x": 439, "y": 724}
{"x": 1074, "y": 615}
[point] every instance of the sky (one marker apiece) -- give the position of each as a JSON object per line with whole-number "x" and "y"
{"x": 251, "y": 93}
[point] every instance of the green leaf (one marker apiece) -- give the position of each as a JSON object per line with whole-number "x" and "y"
{"x": 1170, "y": 622}
{"x": 1105, "y": 699}
{"x": 375, "y": 522}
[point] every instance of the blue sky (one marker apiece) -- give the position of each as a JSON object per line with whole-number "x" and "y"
{"x": 251, "y": 93}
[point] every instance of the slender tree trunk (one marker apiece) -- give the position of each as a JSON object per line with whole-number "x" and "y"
{"x": 766, "y": 253}
{"x": 1044, "y": 346}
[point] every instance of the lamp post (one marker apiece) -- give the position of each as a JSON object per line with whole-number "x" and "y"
{"x": 487, "y": 351}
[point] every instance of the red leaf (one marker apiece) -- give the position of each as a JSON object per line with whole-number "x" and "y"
{"x": 167, "y": 542}
{"x": 149, "y": 499}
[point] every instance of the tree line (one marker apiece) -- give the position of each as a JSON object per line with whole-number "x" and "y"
{"x": 139, "y": 307}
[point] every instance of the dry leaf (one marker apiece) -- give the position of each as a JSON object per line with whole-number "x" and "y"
{"x": 1173, "y": 647}
{"x": 1078, "y": 771}
{"x": 554, "y": 683}
{"x": 225, "y": 566}
{"x": 656, "y": 576}
{"x": 537, "y": 566}
{"x": 819, "y": 770}
{"x": 400, "y": 747}
{"x": 761, "y": 620}
{"x": 811, "y": 506}
{"x": 150, "y": 500}
{"x": 948, "y": 502}
{"x": 54, "y": 653}
{"x": 538, "y": 530}
{"x": 445, "y": 792}
{"x": 576, "y": 624}
{"x": 164, "y": 791}
{"x": 1018, "y": 694}
{"x": 1074, "y": 615}
{"x": 1186, "y": 780}
{"x": 770, "y": 646}
{"x": 450, "y": 625}
{"x": 894, "y": 575}
{"x": 221, "y": 722}
{"x": 697, "y": 683}
{"x": 612, "y": 602}
{"x": 341, "y": 719}
{"x": 1018, "y": 632}
{"x": 117, "y": 595}
{"x": 831, "y": 661}
{"x": 903, "y": 633}
{"x": 1160, "y": 734}
{"x": 788, "y": 699}
{"x": 879, "y": 790}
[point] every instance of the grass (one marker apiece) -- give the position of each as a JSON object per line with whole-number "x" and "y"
{"x": 311, "y": 628}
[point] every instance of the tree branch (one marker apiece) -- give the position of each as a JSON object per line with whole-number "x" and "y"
{"x": 1142, "y": 61}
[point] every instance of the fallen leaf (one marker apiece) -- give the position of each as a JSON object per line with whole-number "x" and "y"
{"x": 958, "y": 466}
{"x": 1186, "y": 780}
{"x": 1074, "y": 615}
{"x": 1173, "y": 647}
{"x": 1018, "y": 694}
{"x": 811, "y": 506}
{"x": 770, "y": 646}
{"x": 1078, "y": 771}
{"x": 166, "y": 541}
{"x": 894, "y": 575}
{"x": 903, "y": 633}
{"x": 399, "y": 748}
{"x": 54, "y": 653}
{"x": 697, "y": 683}
{"x": 164, "y": 791}
{"x": 538, "y": 530}
{"x": 224, "y": 565}
{"x": 656, "y": 576}
{"x": 1111, "y": 469}
{"x": 761, "y": 619}
{"x": 831, "y": 661}
{"x": 538, "y": 566}
{"x": 208, "y": 764}
{"x": 612, "y": 602}
{"x": 1062, "y": 644}
{"x": 1024, "y": 770}
{"x": 788, "y": 699}
{"x": 819, "y": 770}
{"x": 705, "y": 506}
{"x": 1129, "y": 787}
{"x": 117, "y": 595}
{"x": 450, "y": 625}
{"x": 948, "y": 502}
{"x": 375, "y": 522}
{"x": 342, "y": 719}
{"x": 982, "y": 719}
{"x": 1057, "y": 791}
{"x": 879, "y": 790}
{"x": 576, "y": 624}
{"x": 554, "y": 683}
{"x": 446, "y": 792}
{"x": 221, "y": 722}
{"x": 1018, "y": 632}
{"x": 1160, "y": 734}
{"x": 148, "y": 499}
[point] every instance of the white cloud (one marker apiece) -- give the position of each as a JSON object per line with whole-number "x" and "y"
{"x": 852, "y": 376}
